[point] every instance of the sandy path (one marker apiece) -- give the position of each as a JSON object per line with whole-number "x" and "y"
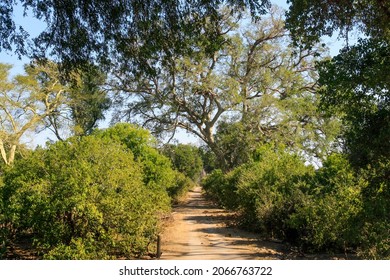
{"x": 197, "y": 230}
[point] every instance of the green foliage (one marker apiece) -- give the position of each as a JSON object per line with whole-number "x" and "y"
{"x": 78, "y": 249}
{"x": 270, "y": 190}
{"x": 375, "y": 219}
{"x": 347, "y": 210}
{"x": 236, "y": 143}
{"x": 83, "y": 199}
{"x": 209, "y": 159}
{"x": 88, "y": 101}
{"x": 265, "y": 192}
{"x": 334, "y": 208}
{"x": 110, "y": 31}
{"x": 309, "y": 20}
{"x": 185, "y": 159}
{"x": 356, "y": 85}
{"x": 327, "y": 220}
{"x": 3, "y": 229}
{"x": 182, "y": 185}
{"x": 222, "y": 188}
{"x": 157, "y": 169}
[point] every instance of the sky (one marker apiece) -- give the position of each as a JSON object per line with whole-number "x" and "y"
{"x": 34, "y": 27}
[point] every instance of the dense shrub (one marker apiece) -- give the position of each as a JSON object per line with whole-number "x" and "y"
{"x": 83, "y": 199}
{"x": 222, "y": 188}
{"x": 375, "y": 217}
{"x": 182, "y": 185}
{"x": 347, "y": 210}
{"x": 264, "y": 192}
{"x": 3, "y": 229}
{"x": 333, "y": 208}
{"x": 157, "y": 168}
{"x": 270, "y": 190}
{"x": 328, "y": 218}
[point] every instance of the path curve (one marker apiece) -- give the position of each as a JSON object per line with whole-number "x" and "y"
{"x": 197, "y": 230}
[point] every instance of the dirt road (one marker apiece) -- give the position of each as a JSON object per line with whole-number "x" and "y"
{"x": 197, "y": 230}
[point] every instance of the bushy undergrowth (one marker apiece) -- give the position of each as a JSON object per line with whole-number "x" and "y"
{"x": 334, "y": 208}
{"x": 265, "y": 192}
{"x": 375, "y": 217}
{"x": 182, "y": 185}
{"x": 90, "y": 198}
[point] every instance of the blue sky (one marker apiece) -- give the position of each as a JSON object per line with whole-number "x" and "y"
{"x": 34, "y": 27}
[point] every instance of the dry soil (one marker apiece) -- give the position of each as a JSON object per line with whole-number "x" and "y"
{"x": 197, "y": 229}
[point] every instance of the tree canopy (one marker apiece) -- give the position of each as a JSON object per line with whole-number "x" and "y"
{"x": 355, "y": 83}
{"x": 255, "y": 79}
{"x": 308, "y": 20}
{"x": 127, "y": 32}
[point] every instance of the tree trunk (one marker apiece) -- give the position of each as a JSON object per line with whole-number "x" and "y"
{"x": 11, "y": 157}
{"x": 3, "y": 153}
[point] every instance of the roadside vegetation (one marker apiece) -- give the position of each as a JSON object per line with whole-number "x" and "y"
{"x": 296, "y": 141}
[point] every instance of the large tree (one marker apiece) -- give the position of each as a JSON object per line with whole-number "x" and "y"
{"x": 355, "y": 83}
{"x": 255, "y": 79}
{"x": 125, "y": 32}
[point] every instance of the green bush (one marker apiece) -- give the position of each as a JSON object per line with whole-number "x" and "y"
{"x": 157, "y": 168}
{"x": 181, "y": 187}
{"x": 264, "y": 192}
{"x": 222, "y": 188}
{"x": 327, "y": 218}
{"x": 3, "y": 228}
{"x": 270, "y": 190}
{"x": 83, "y": 199}
{"x": 346, "y": 211}
{"x": 375, "y": 217}
{"x": 333, "y": 208}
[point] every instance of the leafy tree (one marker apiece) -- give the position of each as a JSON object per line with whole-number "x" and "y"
{"x": 85, "y": 104}
{"x": 255, "y": 78}
{"x": 25, "y": 103}
{"x": 237, "y": 143}
{"x": 356, "y": 85}
{"x": 127, "y": 33}
{"x": 185, "y": 159}
{"x": 355, "y": 82}
{"x": 208, "y": 158}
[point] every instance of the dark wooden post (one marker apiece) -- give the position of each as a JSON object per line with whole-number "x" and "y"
{"x": 158, "y": 246}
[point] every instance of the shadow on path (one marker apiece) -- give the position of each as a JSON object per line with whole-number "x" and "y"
{"x": 198, "y": 230}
